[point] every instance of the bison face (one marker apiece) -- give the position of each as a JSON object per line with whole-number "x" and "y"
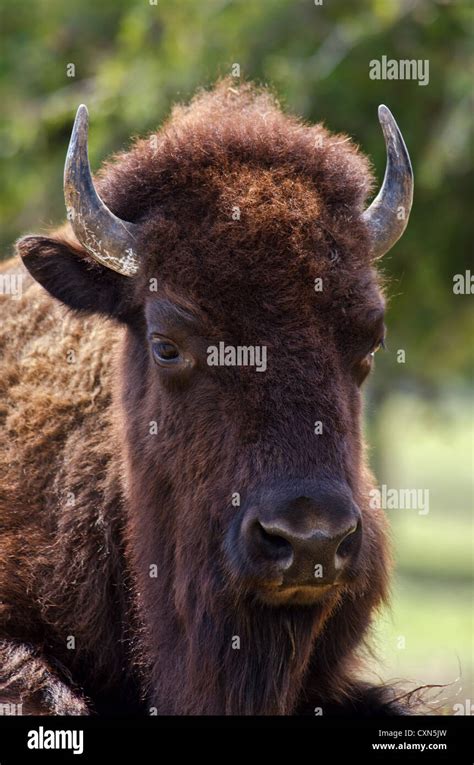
{"x": 252, "y": 311}
{"x": 250, "y": 413}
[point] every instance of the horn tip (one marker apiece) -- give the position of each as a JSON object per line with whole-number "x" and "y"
{"x": 82, "y": 113}
{"x": 384, "y": 113}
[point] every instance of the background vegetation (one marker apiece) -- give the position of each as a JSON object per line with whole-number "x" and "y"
{"x": 133, "y": 58}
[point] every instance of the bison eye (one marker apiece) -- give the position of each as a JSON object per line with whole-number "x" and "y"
{"x": 165, "y": 351}
{"x": 380, "y": 344}
{"x": 363, "y": 367}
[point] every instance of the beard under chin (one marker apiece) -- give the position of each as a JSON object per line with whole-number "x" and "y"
{"x": 246, "y": 659}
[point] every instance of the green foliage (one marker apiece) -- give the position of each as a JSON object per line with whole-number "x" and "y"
{"x": 133, "y": 58}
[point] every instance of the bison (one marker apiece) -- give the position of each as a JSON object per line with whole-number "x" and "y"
{"x": 181, "y": 537}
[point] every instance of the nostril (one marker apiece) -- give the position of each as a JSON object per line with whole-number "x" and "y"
{"x": 275, "y": 545}
{"x": 346, "y": 546}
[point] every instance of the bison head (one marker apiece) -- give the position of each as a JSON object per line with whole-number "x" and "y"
{"x": 235, "y": 249}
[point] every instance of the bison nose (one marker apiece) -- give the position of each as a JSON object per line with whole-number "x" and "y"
{"x": 317, "y": 556}
{"x": 306, "y": 541}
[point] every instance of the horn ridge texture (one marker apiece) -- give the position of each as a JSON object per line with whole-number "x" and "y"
{"x": 387, "y": 217}
{"x": 107, "y": 238}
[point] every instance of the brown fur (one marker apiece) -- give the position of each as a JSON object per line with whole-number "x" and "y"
{"x": 90, "y": 499}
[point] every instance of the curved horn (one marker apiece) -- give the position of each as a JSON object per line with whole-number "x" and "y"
{"x": 387, "y": 216}
{"x": 107, "y": 238}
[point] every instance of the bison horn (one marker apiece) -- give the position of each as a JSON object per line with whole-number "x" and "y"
{"x": 387, "y": 216}
{"x": 107, "y": 238}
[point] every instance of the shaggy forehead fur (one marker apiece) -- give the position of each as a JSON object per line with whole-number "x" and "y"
{"x": 297, "y": 193}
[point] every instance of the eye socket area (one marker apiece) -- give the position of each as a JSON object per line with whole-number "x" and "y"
{"x": 379, "y": 345}
{"x": 363, "y": 366}
{"x": 165, "y": 351}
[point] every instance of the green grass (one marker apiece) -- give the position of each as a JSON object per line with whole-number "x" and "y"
{"x": 428, "y": 635}
{"x": 434, "y": 547}
{"x": 427, "y": 638}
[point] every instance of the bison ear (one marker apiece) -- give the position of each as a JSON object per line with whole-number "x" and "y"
{"x": 69, "y": 275}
